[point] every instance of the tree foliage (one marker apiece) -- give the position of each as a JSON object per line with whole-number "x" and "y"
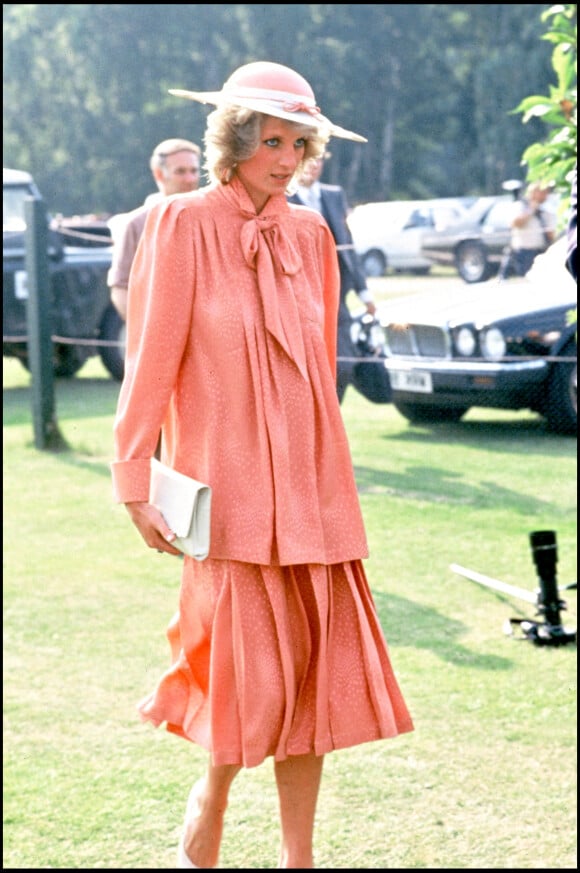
{"x": 431, "y": 86}
{"x": 552, "y": 160}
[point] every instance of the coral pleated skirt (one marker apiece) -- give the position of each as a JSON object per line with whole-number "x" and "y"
{"x": 276, "y": 661}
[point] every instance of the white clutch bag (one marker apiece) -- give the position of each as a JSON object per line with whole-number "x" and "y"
{"x": 185, "y": 505}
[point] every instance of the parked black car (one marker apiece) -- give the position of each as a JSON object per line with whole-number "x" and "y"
{"x": 476, "y": 242}
{"x": 503, "y": 345}
{"x": 79, "y": 255}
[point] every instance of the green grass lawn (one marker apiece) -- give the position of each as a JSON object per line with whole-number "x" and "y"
{"x": 487, "y": 779}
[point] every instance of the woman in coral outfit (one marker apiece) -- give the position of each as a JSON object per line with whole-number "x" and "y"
{"x": 277, "y": 650}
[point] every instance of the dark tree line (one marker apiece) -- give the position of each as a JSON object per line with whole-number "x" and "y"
{"x": 431, "y": 86}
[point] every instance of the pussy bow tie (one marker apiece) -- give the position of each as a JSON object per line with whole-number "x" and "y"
{"x": 268, "y": 250}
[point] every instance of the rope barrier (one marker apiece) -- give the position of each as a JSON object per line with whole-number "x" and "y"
{"x": 375, "y": 359}
{"x": 563, "y": 359}
{"x": 97, "y": 237}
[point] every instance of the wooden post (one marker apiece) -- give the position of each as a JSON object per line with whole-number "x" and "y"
{"x": 46, "y": 432}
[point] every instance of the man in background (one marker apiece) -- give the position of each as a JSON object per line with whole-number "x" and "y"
{"x": 175, "y": 165}
{"x": 532, "y": 229}
{"x": 331, "y": 202}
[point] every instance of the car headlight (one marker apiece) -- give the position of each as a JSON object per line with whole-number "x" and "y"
{"x": 493, "y": 344}
{"x": 465, "y": 341}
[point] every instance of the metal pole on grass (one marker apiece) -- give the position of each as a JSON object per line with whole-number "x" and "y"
{"x": 46, "y": 432}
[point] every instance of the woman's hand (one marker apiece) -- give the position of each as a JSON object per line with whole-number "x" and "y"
{"x": 152, "y": 527}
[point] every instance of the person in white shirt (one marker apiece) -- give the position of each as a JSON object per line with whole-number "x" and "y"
{"x": 532, "y": 228}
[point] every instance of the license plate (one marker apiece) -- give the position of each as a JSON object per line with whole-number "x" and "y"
{"x": 21, "y": 285}
{"x": 411, "y": 380}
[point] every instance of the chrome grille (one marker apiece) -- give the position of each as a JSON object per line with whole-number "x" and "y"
{"x": 431, "y": 341}
{"x": 399, "y": 340}
{"x": 417, "y": 340}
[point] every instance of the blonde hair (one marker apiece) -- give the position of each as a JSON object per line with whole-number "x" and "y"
{"x": 233, "y": 135}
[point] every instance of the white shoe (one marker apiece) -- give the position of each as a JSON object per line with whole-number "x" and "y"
{"x": 183, "y": 861}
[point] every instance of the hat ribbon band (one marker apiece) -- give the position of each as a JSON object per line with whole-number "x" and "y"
{"x": 300, "y": 107}
{"x": 303, "y": 100}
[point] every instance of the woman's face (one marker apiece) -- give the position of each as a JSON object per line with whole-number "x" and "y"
{"x": 269, "y": 171}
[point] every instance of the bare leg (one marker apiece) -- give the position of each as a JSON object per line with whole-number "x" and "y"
{"x": 205, "y": 816}
{"x": 298, "y": 782}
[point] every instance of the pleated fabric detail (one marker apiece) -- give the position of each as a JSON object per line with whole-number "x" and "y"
{"x": 276, "y": 661}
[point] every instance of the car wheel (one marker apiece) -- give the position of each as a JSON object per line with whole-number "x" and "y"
{"x": 374, "y": 264}
{"x": 66, "y": 360}
{"x": 113, "y": 329}
{"x": 417, "y": 413}
{"x": 371, "y": 379}
{"x": 562, "y": 402}
{"x": 471, "y": 262}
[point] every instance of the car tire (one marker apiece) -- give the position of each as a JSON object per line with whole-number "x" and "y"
{"x": 371, "y": 379}
{"x": 66, "y": 360}
{"x": 374, "y": 264}
{"x": 113, "y": 330}
{"x": 418, "y": 413}
{"x": 561, "y": 411}
{"x": 471, "y": 262}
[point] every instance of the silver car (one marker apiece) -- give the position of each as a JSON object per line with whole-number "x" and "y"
{"x": 388, "y": 235}
{"x": 475, "y": 244}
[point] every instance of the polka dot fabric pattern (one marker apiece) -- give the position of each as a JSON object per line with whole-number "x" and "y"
{"x": 231, "y": 352}
{"x": 245, "y": 310}
{"x": 276, "y": 661}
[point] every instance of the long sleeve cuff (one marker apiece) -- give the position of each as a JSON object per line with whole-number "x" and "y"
{"x": 131, "y": 480}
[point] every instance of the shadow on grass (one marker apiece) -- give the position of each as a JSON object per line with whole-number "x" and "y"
{"x": 446, "y": 486}
{"x": 531, "y": 436}
{"x": 407, "y": 623}
{"x": 73, "y": 458}
{"x": 74, "y": 398}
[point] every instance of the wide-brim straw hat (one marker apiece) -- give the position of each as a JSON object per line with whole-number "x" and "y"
{"x": 272, "y": 89}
